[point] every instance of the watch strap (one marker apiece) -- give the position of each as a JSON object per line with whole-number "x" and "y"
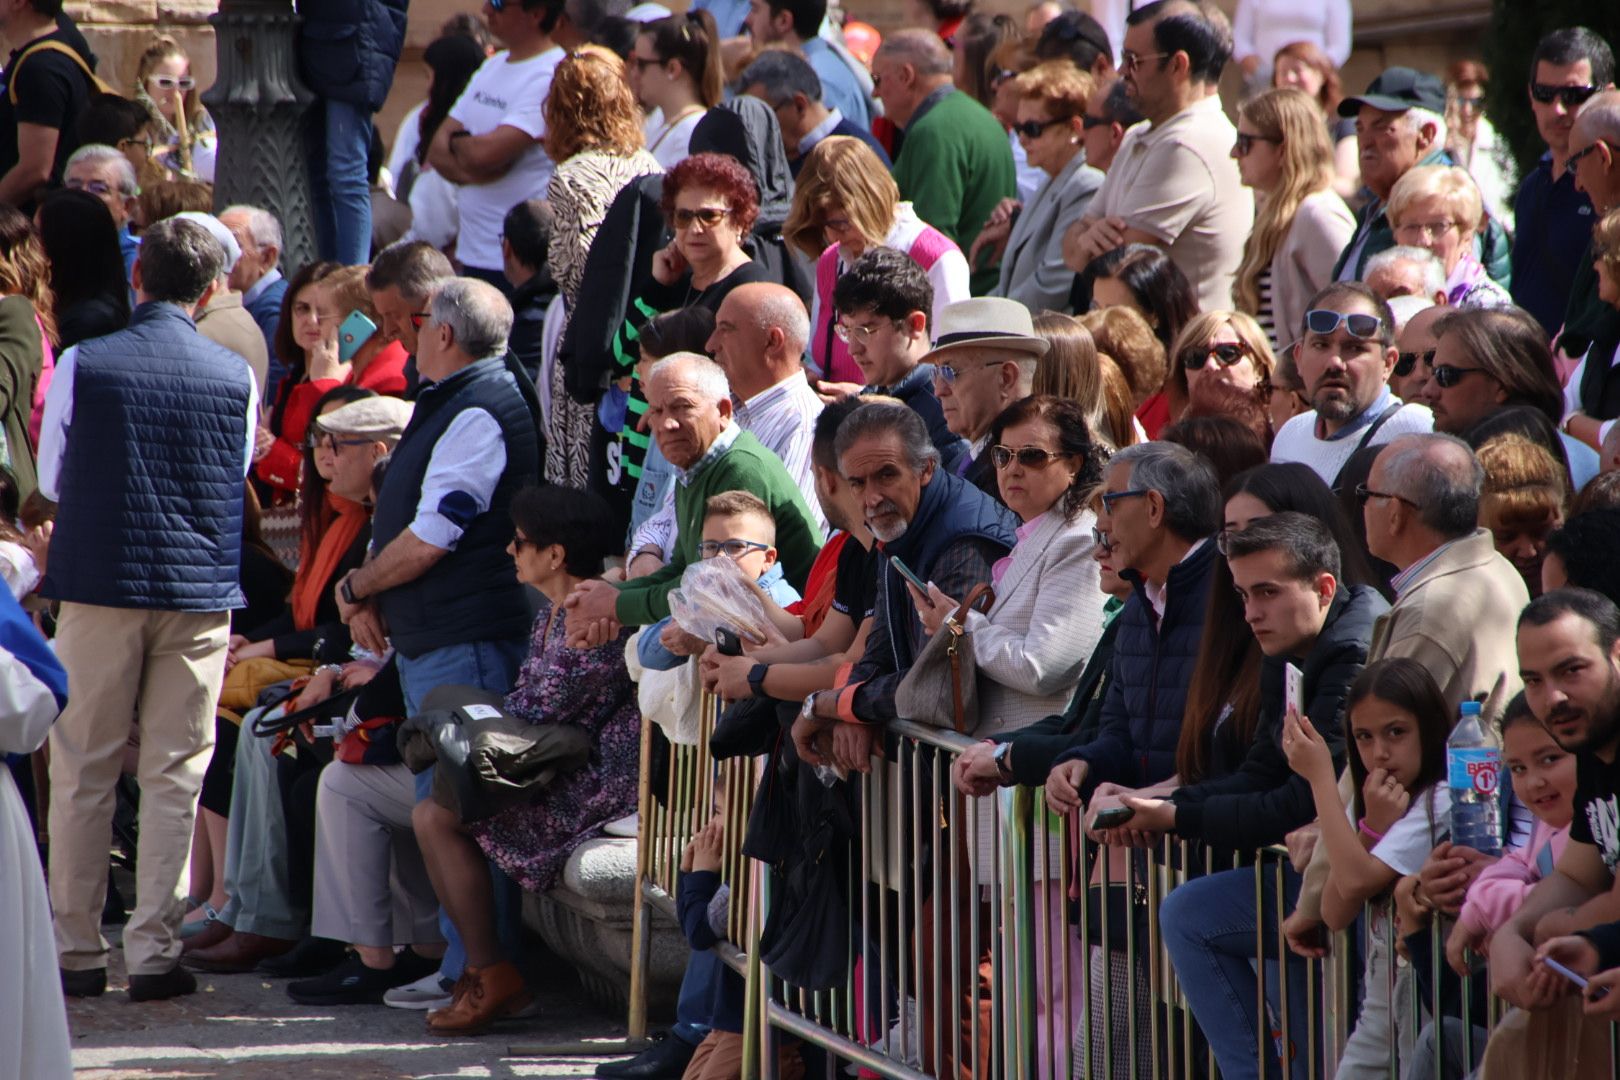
{"x": 756, "y": 679}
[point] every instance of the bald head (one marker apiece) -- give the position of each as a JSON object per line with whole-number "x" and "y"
{"x": 1439, "y": 478}
{"x": 922, "y": 49}
{"x": 910, "y": 65}
{"x": 759, "y": 336}
{"x": 1595, "y": 138}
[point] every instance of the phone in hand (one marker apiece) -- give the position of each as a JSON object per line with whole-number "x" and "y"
{"x": 1293, "y": 689}
{"x": 1578, "y": 980}
{"x": 353, "y": 333}
{"x": 1113, "y": 817}
{"x": 905, "y": 571}
{"x": 726, "y": 642}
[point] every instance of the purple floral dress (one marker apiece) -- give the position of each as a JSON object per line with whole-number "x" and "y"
{"x": 590, "y": 688}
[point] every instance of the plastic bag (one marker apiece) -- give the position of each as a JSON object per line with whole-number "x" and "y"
{"x": 715, "y": 595}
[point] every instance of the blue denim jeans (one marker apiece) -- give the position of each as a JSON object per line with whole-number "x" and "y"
{"x": 492, "y": 666}
{"x": 340, "y": 183}
{"x": 1210, "y": 926}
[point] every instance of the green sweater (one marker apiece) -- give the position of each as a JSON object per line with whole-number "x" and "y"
{"x": 747, "y": 466}
{"x": 955, "y": 165}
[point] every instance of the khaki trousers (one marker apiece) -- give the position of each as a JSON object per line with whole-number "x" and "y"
{"x": 165, "y": 667}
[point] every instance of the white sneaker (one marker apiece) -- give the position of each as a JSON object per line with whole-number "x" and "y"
{"x": 629, "y": 826}
{"x": 429, "y": 992}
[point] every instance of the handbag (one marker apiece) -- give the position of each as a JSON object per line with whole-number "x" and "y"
{"x": 943, "y": 681}
{"x": 249, "y": 678}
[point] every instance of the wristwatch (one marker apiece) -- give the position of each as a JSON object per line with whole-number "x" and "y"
{"x": 756, "y": 679}
{"x": 808, "y": 711}
{"x": 1000, "y": 755}
{"x": 346, "y": 590}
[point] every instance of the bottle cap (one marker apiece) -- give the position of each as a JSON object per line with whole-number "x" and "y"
{"x": 1470, "y": 708}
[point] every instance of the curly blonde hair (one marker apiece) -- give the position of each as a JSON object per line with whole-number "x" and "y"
{"x": 590, "y": 107}
{"x": 841, "y": 171}
{"x": 1524, "y": 486}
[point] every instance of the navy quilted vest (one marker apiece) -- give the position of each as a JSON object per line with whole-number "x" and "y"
{"x": 472, "y": 594}
{"x": 151, "y": 488}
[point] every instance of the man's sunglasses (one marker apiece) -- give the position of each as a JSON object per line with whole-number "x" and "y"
{"x": 1407, "y": 362}
{"x": 1571, "y": 96}
{"x": 1030, "y": 457}
{"x": 1575, "y": 158}
{"x": 1360, "y": 325}
{"x": 1225, "y": 354}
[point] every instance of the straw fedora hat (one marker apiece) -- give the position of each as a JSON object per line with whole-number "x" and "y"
{"x": 986, "y": 322}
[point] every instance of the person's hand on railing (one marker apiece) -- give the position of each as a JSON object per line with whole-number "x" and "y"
{"x": 1446, "y": 876}
{"x": 1517, "y": 978}
{"x": 811, "y": 739}
{"x": 1462, "y": 940}
{"x": 1410, "y": 914}
{"x": 974, "y": 772}
{"x": 726, "y": 676}
{"x": 852, "y": 747}
{"x": 1306, "y": 936}
{"x": 1301, "y": 845}
{"x": 1063, "y": 785}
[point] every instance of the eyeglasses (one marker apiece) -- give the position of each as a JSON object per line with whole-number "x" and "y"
{"x": 1102, "y": 540}
{"x": 419, "y": 319}
{"x": 172, "y": 82}
{"x": 1109, "y": 498}
{"x": 1030, "y": 457}
{"x": 710, "y": 216}
{"x": 332, "y": 442}
{"x": 860, "y": 334}
{"x": 1575, "y": 158}
{"x": 519, "y": 542}
{"x": 1571, "y": 96}
{"x": 1428, "y": 230}
{"x": 644, "y": 62}
{"x": 93, "y": 187}
{"x": 144, "y": 144}
{"x": 1406, "y": 362}
{"x": 1129, "y": 61}
{"x": 1245, "y": 142}
{"x": 1474, "y": 102}
{"x": 1034, "y": 129}
{"x": 999, "y": 76}
{"x": 1365, "y": 493}
{"x": 1360, "y": 325}
{"x": 948, "y": 374}
{"x": 1448, "y": 375}
{"x": 1225, "y": 354}
{"x": 731, "y": 549}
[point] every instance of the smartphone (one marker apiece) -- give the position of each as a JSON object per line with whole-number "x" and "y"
{"x": 1578, "y": 980}
{"x": 355, "y": 331}
{"x": 726, "y": 642}
{"x": 905, "y": 571}
{"x": 1293, "y": 689}
{"x": 1113, "y": 817}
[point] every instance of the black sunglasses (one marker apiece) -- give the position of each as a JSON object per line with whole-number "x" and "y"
{"x": 1030, "y": 457}
{"x": 1245, "y": 142}
{"x": 1034, "y": 129}
{"x": 1448, "y": 375}
{"x": 1575, "y": 158}
{"x": 1324, "y": 322}
{"x": 1225, "y": 354}
{"x": 1406, "y": 362}
{"x": 1571, "y": 96}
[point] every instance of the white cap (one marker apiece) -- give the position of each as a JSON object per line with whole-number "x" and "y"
{"x": 216, "y": 228}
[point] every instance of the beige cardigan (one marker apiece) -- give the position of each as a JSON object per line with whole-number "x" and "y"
{"x": 1304, "y": 262}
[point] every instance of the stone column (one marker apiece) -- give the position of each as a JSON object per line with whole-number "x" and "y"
{"x": 258, "y": 105}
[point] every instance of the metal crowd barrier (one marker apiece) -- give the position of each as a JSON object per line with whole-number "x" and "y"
{"x": 969, "y": 954}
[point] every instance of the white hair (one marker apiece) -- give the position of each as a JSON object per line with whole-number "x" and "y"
{"x": 261, "y": 224}
{"x": 1404, "y": 307}
{"x": 1418, "y": 117}
{"x": 1434, "y": 271}
{"x": 709, "y": 376}
{"x": 100, "y": 153}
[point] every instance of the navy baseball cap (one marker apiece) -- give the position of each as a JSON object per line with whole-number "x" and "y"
{"x": 1399, "y": 89}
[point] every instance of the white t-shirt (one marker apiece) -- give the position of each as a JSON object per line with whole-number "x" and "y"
{"x": 1297, "y": 440}
{"x": 1406, "y": 846}
{"x": 512, "y": 93}
{"x": 668, "y": 142}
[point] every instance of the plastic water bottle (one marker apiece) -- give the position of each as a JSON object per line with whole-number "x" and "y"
{"x": 1474, "y": 771}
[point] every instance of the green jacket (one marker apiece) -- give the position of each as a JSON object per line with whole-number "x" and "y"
{"x": 747, "y": 466}
{"x": 1491, "y": 247}
{"x": 955, "y": 165}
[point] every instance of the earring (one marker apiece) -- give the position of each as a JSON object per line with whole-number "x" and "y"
{"x": 1074, "y": 140}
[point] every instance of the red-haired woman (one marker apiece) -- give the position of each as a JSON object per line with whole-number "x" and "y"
{"x": 710, "y": 202}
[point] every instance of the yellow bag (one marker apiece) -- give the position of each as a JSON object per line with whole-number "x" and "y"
{"x": 248, "y": 679}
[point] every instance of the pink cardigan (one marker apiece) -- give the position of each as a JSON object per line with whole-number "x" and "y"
{"x": 1500, "y": 888}
{"x": 828, "y": 351}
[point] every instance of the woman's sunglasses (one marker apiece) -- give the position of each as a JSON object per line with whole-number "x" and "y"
{"x": 1225, "y": 354}
{"x": 1245, "y": 142}
{"x": 172, "y": 82}
{"x": 1034, "y": 129}
{"x": 1030, "y": 457}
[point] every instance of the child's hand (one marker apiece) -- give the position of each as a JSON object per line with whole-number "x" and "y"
{"x": 1463, "y": 940}
{"x": 1384, "y": 800}
{"x": 1410, "y": 916}
{"x": 706, "y": 846}
{"x": 1308, "y": 755}
{"x": 1306, "y": 937}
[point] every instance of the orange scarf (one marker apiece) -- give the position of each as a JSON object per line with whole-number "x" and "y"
{"x": 315, "y": 573}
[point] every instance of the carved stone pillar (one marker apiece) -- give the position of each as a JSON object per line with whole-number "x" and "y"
{"x": 258, "y": 105}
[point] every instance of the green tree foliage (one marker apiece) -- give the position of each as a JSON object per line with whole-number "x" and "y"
{"x": 1516, "y": 26}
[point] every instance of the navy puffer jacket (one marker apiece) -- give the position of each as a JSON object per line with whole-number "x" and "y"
{"x": 1152, "y": 668}
{"x": 348, "y": 49}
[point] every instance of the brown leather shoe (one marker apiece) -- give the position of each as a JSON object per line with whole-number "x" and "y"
{"x": 238, "y": 953}
{"x": 483, "y": 996}
{"x": 206, "y": 938}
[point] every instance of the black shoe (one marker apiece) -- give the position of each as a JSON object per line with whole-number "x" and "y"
{"x": 91, "y": 982}
{"x": 172, "y": 983}
{"x": 668, "y": 1057}
{"x": 353, "y": 983}
{"x": 312, "y": 956}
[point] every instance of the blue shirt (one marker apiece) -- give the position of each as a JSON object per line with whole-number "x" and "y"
{"x": 729, "y": 15}
{"x": 1554, "y": 225}
{"x": 839, "y": 90}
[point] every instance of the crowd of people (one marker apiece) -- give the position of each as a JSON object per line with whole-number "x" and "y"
{"x": 1280, "y": 438}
